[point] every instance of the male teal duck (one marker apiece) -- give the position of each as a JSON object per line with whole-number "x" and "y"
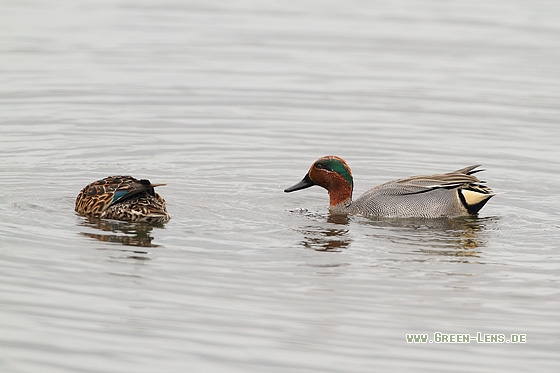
{"x": 452, "y": 194}
{"x": 122, "y": 198}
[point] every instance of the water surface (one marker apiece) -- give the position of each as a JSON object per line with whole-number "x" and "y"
{"x": 229, "y": 103}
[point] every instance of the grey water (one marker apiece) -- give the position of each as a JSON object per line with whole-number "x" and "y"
{"x": 229, "y": 102}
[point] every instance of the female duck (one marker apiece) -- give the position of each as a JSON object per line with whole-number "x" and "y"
{"x": 122, "y": 198}
{"x": 451, "y": 194}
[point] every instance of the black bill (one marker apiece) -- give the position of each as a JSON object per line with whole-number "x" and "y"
{"x": 305, "y": 183}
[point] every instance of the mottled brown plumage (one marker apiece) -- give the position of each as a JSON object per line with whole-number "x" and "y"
{"x": 122, "y": 198}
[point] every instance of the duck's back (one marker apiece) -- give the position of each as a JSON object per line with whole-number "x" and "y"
{"x": 122, "y": 198}
{"x": 444, "y": 195}
{"x": 143, "y": 207}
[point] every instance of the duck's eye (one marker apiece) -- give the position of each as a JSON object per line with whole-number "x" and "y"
{"x": 323, "y": 166}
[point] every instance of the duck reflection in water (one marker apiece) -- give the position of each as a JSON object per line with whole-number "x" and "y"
{"x": 457, "y": 237}
{"x": 332, "y": 239}
{"x": 124, "y": 233}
